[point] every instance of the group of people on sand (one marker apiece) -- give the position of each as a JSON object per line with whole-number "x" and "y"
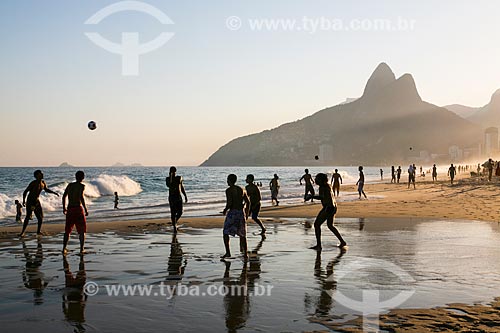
{"x": 241, "y": 203}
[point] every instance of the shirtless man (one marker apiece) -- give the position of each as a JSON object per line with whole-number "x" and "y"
{"x": 236, "y": 211}
{"x": 309, "y": 184}
{"x": 336, "y": 181}
{"x": 255, "y": 197}
{"x": 33, "y": 203}
{"x": 175, "y": 188}
{"x": 75, "y": 212}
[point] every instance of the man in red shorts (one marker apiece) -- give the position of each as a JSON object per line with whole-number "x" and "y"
{"x": 75, "y": 215}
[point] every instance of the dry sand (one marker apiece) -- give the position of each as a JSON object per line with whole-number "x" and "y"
{"x": 468, "y": 199}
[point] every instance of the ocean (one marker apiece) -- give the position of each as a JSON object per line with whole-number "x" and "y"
{"x": 143, "y": 194}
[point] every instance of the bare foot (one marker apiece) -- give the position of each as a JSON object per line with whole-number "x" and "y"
{"x": 226, "y": 255}
{"x": 341, "y": 245}
{"x": 82, "y": 252}
{"x": 263, "y": 231}
{"x": 65, "y": 252}
{"x": 317, "y": 248}
{"x": 21, "y": 235}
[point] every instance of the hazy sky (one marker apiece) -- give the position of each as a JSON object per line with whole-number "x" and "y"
{"x": 210, "y": 84}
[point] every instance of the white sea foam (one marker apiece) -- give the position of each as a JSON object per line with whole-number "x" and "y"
{"x": 107, "y": 185}
{"x": 7, "y": 206}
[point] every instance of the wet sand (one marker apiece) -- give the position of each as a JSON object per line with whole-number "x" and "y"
{"x": 468, "y": 199}
{"x": 454, "y": 262}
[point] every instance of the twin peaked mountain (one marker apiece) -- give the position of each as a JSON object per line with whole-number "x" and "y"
{"x": 377, "y": 129}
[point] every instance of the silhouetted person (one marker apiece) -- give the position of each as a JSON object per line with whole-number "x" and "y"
{"x": 434, "y": 173}
{"x": 175, "y": 188}
{"x": 393, "y": 174}
{"x": 497, "y": 170}
{"x": 381, "y": 174}
{"x": 489, "y": 165}
{"x": 32, "y": 204}
{"x": 253, "y": 193}
{"x": 76, "y": 211}
{"x": 327, "y": 212}
{"x": 361, "y": 182}
{"x": 309, "y": 185}
{"x": 19, "y": 211}
{"x": 274, "y": 186}
{"x": 398, "y": 172}
{"x": 452, "y": 171}
{"x": 336, "y": 181}
{"x": 116, "y": 200}
{"x": 236, "y": 211}
{"x": 74, "y": 297}
{"x": 478, "y": 170}
{"x": 411, "y": 175}
{"x": 33, "y": 278}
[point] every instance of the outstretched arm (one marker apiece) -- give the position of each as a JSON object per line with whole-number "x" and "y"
{"x": 48, "y": 190}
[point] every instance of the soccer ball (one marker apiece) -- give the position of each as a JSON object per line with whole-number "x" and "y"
{"x": 316, "y": 157}
{"x": 92, "y": 125}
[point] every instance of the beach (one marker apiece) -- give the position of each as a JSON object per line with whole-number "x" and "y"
{"x": 468, "y": 199}
{"x": 429, "y": 211}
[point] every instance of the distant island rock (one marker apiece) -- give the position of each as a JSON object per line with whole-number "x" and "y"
{"x": 66, "y": 165}
{"x": 121, "y": 165}
{"x": 376, "y": 129}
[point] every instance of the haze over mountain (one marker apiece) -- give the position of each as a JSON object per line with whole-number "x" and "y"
{"x": 377, "y": 129}
{"x": 488, "y": 115}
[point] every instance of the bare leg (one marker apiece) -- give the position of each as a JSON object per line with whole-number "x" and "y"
{"x": 65, "y": 243}
{"x": 25, "y": 225}
{"x": 335, "y": 232}
{"x": 317, "y": 230}
{"x": 226, "y": 245}
{"x": 243, "y": 247}
{"x": 82, "y": 243}
{"x": 259, "y": 223}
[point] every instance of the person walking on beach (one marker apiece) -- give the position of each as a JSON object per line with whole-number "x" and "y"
{"x": 236, "y": 211}
{"x": 381, "y": 174}
{"x": 434, "y": 173}
{"x": 274, "y": 186}
{"x": 452, "y": 171}
{"x": 361, "y": 182}
{"x": 336, "y": 181}
{"x": 489, "y": 165}
{"x": 116, "y": 200}
{"x": 75, "y": 215}
{"x": 19, "y": 211}
{"x": 393, "y": 175}
{"x": 32, "y": 204}
{"x": 309, "y": 185}
{"x": 253, "y": 193}
{"x": 411, "y": 175}
{"x": 327, "y": 212}
{"x": 399, "y": 173}
{"x": 175, "y": 188}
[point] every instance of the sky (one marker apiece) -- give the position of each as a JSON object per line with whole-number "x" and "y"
{"x": 219, "y": 76}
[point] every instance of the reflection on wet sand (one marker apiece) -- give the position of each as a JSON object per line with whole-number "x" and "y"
{"x": 176, "y": 262}
{"x": 73, "y": 298}
{"x": 33, "y": 278}
{"x": 327, "y": 284}
{"x": 237, "y": 297}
